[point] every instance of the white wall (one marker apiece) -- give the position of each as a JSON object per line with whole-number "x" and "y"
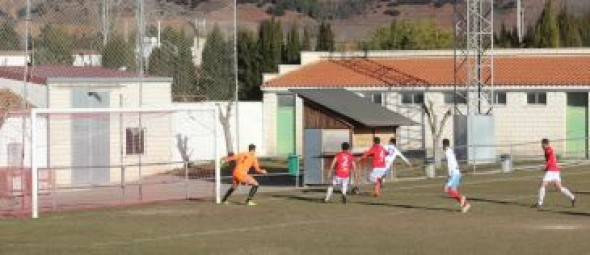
{"x": 197, "y": 127}
{"x": 12, "y": 132}
{"x": 36, "y": 93}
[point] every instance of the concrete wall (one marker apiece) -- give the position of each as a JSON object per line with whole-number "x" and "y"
{"x": 198, "y": 128}
{"x": 35, "y": 93}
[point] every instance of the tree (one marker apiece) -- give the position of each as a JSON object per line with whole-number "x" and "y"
{"x": 184, "y": 68}
{"x": 292, "y": 49}
{"x": 117, "y": 53}
{"x": 306, "y": 41}
{"x": 270, "y": 44}
{"x": 418, "y": 35}
{"x": 249, "y": 73}
{"x": 325, "y": 39}
{"x": 54, "y": 46}
{"x": 570, "y": 33}
{"x": 217, "y": 78}
{"x": 547, "y": 29}
{"x": 436, "y": 127}
{"x": 9, "y": 38}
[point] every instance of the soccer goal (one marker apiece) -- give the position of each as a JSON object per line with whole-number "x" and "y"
{"x": 85, "y": 157}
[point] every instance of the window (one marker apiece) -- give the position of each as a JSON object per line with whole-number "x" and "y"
{"x": 450, "y": 99}
{"x": 135, "y": 141}
{"x": 412, "y": 98}
{"x": 500, "y": 98}
{"x": 376, "y": 98}
{"x": 286, "y": 100}
{"x": 537, "y": 98}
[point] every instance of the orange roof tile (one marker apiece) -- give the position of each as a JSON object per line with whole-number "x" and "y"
{"x": 431, "y": 71}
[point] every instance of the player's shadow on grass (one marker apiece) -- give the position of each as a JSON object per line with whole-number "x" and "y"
{"x": 300, "y": 198}
{"x": 406, "y": 206}
{"x": 582, "y": 192}
{"x": 497, "y": 201}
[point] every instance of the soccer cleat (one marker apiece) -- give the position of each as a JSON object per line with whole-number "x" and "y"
{"x": 344, "y": 199}
{"x": 536, "y": 205}
{"x": 465, "y": 208}
{"x": 251, "y": 203}
{"x": 463, "y": 200}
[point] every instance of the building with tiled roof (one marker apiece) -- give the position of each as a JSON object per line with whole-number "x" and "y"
{"x": 539, "y": 93}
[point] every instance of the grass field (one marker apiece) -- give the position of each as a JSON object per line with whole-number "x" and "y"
{"x": 413, "y": 217}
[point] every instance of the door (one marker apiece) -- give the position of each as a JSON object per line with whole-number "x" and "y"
{"x": 90, "y": 139}
{"x": 577, "y": 125}
{"x": 286, "y": 125}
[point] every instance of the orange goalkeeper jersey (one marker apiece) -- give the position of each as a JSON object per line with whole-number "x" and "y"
{"x": 244, "y": 161}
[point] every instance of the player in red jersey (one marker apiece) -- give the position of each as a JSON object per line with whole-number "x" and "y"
{"x": 341, "y": 167}
{"x": 378, "y": 153}
{"x": 552, "y": 175}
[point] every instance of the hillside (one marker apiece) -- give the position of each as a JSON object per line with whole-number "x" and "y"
{"x": 352, "y": 20}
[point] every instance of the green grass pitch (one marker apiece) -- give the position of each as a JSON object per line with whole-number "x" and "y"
{"x": 412, "y": 217}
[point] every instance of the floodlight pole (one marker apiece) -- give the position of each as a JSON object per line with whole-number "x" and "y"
{"x": 34, "y": 168}
{"x": 216, "y": 161}
{"x": 237, "y": 82}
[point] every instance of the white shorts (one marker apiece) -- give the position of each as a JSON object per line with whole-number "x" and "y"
{"x": 377, "y": 173}
{"x": 551, "y": 176}
{"x": 340, "y": 181}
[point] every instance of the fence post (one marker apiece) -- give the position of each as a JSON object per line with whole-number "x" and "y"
{"x": 123, "y": 186}
{"x": 53, "y": 189}
{"x": 186, "y": 180}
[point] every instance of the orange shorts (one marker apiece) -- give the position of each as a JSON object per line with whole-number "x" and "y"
{"x": 244, "y": 179}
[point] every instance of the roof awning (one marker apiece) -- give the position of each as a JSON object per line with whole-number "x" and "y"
{"x": 354, "y": 107}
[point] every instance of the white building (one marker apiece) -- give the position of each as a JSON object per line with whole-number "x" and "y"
{"x": 89, "y": 148}
{"x": 540, "y": 93}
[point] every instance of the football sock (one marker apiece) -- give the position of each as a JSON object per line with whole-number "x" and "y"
{"x": 567, "y": 193}
{"x": 455, "y": 194}
{"x": 329, "y": 192}
{"x": 344, "y": 189}
{"x": 229, "y": 192}
{"x": 252, "y": 193}
{"x": 541, "y": 195}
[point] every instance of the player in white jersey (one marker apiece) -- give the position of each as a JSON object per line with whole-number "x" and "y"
{"x": 452, "y": 185}
{"x": 393, "y": 153}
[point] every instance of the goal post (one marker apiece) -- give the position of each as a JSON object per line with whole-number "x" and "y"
{"x": 117, "y": 141}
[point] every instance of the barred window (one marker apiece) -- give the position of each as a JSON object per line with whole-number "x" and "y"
{"x": 135, "y": 141}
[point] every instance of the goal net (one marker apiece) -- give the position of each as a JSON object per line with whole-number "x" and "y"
{"x": 61, "y": 159}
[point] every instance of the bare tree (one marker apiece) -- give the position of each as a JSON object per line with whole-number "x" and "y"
{"x": 436, "y": 127}
{"x": 225, "y": 119}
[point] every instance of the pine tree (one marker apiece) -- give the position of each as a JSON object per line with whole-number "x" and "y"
{"x": 9, "y": 38}
{"x": 306, "y": 41}
{"x": 54, "y": 46}
{"x": 270, "y": 43}
{"x": 325, "y": 39}
{"x": 217, "y": 72}
{"x": 570, "y": 35}
{"x": 547, "y": 30}
{"x": 292, "y": 48}
{"x": 249, "y": 73}
{"x": 117, "y": 53}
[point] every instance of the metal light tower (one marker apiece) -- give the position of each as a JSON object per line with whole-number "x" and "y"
{"x": 474, "y": 130}
{"x": 474, "y": 57}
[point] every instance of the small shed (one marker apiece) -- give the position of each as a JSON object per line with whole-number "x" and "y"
{"x": 334, "y": 116}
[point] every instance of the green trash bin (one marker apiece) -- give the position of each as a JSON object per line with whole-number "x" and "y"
{"x": 293, "y": 163}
